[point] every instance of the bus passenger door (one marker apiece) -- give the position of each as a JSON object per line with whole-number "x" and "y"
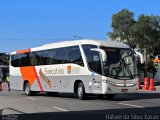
{"x": 96, "y": 68}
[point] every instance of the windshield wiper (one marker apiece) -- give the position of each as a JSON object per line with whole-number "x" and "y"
{"x": 126, "y": 66}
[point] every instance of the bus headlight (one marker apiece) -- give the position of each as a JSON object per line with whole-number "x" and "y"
{"x": 113, "y": 83}
{"x": 109, "y": 82}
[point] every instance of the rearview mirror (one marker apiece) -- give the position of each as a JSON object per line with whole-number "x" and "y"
{"x": 102, "y": 52}
{"x": 140, "y": 55}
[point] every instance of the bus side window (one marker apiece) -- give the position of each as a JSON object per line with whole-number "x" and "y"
{"x": 96, "y": 63}
{"x": 33, "y": 59}
{"x": 25, "y": 59}
{"x": 15, "y": 60}
{"x": 93, "y": 58}
{"x": 46, "y": 57}
{"x": 38, "y": 58}
{"x": 60, "y": 56}
{"x": 74, "y": 55}
{"x": 52, "y": 56}
{"x": 18, "y": 60}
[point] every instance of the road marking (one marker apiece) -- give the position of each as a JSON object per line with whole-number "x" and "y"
{"x": 131, "y": 105}
{"x": 31, "y": 98}
{"x": 61, "y": 109}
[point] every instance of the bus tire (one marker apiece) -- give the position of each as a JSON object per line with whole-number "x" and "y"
{"x": 109, "y": 96}
{"x": 27, "y": 89}
{"x": 81, "y": 91}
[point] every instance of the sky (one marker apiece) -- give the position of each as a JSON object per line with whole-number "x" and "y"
{"x": 30, "y": 23}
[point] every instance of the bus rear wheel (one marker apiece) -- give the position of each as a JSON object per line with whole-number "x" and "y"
{"x": 81, "y": 91}
{"x": 27, "y": 89}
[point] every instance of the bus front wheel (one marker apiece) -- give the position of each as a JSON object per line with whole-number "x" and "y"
{"x": 27, "y": 89}
{"x": 81, "y": 91}
{"x": 109, "y": 96}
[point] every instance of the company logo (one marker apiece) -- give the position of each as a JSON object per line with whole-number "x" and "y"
{"x": 93, "y": 75}
{"x": 73, "y": 70}
{"x": 69, "y": 69}
{"x": 55, "y": 71}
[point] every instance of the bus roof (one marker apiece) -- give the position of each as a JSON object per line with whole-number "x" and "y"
{"x": 78, "y": 42}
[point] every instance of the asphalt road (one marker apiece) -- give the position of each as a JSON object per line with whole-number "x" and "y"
{"x": 15, "y": 105}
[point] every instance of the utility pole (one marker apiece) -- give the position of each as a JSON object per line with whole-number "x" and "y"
{"x": 79, "y": 37}
{"x": 145, "y": 62}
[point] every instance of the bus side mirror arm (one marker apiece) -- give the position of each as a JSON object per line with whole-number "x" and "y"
{"x": 140, "y": 55}
{"x": 102, "y": 52}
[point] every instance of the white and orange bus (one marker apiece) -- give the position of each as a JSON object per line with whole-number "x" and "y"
{"x": 80, "y": 66}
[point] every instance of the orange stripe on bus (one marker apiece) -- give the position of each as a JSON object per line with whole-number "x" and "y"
{"x": 45, "y": 79}
{"x": 39, "y": 83}
{"x": 30, "y": 74}
{"x": 23, "y": 51}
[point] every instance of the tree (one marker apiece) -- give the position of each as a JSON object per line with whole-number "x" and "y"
{"x": 146, "y": 33}
{"x": 143, "y": 33}
{"x": 122, "y": 24}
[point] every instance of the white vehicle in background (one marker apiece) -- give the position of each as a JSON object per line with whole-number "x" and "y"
{"x": 80, "y": 66}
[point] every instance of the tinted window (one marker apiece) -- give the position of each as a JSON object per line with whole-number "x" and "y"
{"x": 34, "y": 59}
{"x": 45, "y": 56}
{"x": 93, "y": 58}
{"x": 16, "y": 60}
{"x": 60, "y": 56}
{"x": 52, "y": 56}
{"x": 74, "y": 55}
{"x": 25, "y": 59}
{"x": 38, "y": 58}
{"x": 48, "y": 57}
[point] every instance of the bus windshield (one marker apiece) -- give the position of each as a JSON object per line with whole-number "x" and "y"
{"x": 120, "y": 63}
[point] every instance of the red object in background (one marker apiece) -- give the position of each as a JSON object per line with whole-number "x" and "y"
{"x": 139, "y": 83}
{"x": 152, "y": 87}
{"x": 146, "y": 83}
{"x": 1, "y": 87}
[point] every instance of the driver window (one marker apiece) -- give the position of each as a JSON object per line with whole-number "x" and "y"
{"x": 96, "y": 63}
{"x": 93, "y": 58}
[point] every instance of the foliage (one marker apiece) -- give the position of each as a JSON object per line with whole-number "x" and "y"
{"x": 122, "y": 24}
{"x": 143, "y": 33}
{"x": 147, "y": 33}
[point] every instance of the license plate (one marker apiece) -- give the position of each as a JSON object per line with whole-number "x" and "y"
{"x": 124, "y": 90}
